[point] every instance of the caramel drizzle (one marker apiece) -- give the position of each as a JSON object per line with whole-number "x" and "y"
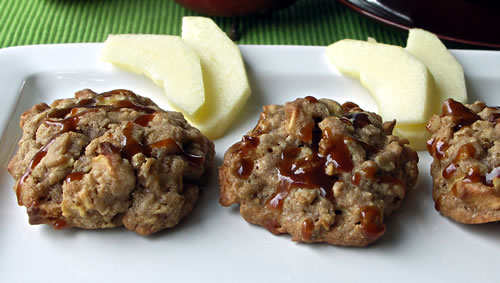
{"x": 130, "y": 148}
{"x": 437, "y": 148}
{"x": 371, "y": 222}
{"x": 464, "y": 115}
{"x": 309, "y": 172}
{"x": 464, "y": 152}
{"x": 33, "y": 163}
{"x": 247, "y": 145}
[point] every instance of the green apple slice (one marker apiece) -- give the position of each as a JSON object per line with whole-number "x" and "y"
{"x": 226, "y": 83}
{"x": 417, "y": 135}
{"x": 165, "y": 59}
{"x": 400, "y": 83}
{"x": 447, "y": 72}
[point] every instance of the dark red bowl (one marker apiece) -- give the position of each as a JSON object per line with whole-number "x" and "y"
{"x": 229, "y": 8}
{"x": 474, "y": 22}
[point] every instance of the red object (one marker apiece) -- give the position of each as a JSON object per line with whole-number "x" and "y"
{"x": 471, "y": 22}
{"x": 229, "y": 8}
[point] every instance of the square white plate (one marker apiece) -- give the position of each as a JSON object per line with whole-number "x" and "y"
{"x": 214, "y": 244}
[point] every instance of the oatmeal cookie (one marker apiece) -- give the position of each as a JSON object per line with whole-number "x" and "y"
{"x": 319, "y": 171}
{"x": 465, "y": 146}
{"x": 107, "y": 160}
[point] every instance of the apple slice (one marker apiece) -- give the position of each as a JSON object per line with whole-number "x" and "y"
{"x": 400, "y": 83}
{"x": 417, "y": 135}
{"x": 447, "y": 72}
{"x": 226, "y": 83}
{"x": 165, "y": 59}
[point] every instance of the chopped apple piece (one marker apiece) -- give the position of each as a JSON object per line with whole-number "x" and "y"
{"x": 400, "y": 83}
{"x": 165, "y": 59}
{"x": 447, "y": 72}
{"x": 226, "y": 83}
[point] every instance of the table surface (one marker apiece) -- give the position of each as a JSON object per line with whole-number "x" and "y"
{"x": 307, "y": 22}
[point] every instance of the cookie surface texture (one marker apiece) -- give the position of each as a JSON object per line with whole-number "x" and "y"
{"x": 465, "y": 146}
{"x": 319, "y": 171}
{"x": 107, "y": 160}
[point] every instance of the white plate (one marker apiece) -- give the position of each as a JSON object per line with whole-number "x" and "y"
{"x": 214, "y": 243}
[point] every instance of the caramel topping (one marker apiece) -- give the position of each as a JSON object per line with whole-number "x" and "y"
{"x": 337, "y": 152}
{"x": 464, "y": 152}
{"x": 144, "y": 120}
{"x": 59, "y": 224}
{"x": 371, "y": 222}
{"x": 307, "y": 172}
{"x": 33, "y": 163}
{"x": 311, "y": 99}
{"x": 272, "y": 225}
{"x": 437, "y": 148}
{"x": 311, "y": 171}
{"x": 307, "y": 229}
{"x": 131, "y": 147}
{"x": 247, "y": 145}
{"x": 430, "y": 144}
{"x": 449, "y": 171}
{"x": 60, "y": 113}
{"x": 171, "y": 143}
{"x": 440, "y": 148}
{"x": 277, "y": 200}
{"x": 473, "y": 175}
{"x": 306, "y": 133}
{"x": 66, "y": 124}
{"x": 454, "y": 191}
{"x": 107, "y": 148}
{"x": 75, "y": 176}
{"x": 369, "y": 172}
{"x": 245, "y": 169}
{"x": 457, "y": 109}
{"x": 129, "y": 104}
{"x": 356, "y": 179}
{"x": 94, "y": 103}
{"x": 494, "y": 118}
{"x": 348, "y": 106}
{"x": 63, "y": 112}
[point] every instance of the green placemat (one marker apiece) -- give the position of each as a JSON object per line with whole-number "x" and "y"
{"x": 307, "y": 22}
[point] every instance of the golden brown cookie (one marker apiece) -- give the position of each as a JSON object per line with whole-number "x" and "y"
{"x": 107, "y": 160}
{"x": 319, "y": 171}
{"x": 465, "y": 146}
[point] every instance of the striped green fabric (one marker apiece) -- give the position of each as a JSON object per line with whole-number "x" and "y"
{"x": 307, "y": 22}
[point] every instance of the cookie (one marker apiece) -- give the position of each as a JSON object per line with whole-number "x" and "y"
{"x": 319, "y": 171}
{"x": 107, "y": 160}
{"x": 465, "y": 146}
